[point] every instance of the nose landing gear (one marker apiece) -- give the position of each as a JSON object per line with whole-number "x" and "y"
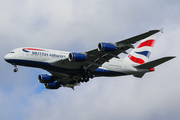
{"x": 15, "y": 70}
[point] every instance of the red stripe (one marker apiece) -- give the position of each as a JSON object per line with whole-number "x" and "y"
{"x": 32, "y": 49}
{"x": 151, "y": 69}
{"x": 136, "y": 60}
{"x": 149, "y": 43}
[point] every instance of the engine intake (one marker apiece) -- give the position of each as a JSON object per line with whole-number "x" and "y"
{"x": 54, "y": 85}
{"x": 44, "y": 78}
{"x": 76, "y": 57}
{"x": 106, "y": 47}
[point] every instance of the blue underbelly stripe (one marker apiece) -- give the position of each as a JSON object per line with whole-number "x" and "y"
{"x": 107, "y": 72}
{"x": 47, "y": 66}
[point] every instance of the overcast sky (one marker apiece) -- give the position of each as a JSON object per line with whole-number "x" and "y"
{"x": 78, "y": 26}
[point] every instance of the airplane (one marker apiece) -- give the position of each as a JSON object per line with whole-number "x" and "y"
{"x": 69, "y": 69}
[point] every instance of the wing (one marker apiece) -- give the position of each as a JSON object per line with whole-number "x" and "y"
{"x": 95, "y": 58}
{"x": 66, "y": 80}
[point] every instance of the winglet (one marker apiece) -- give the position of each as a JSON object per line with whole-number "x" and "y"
{"x": 161, "y": 30}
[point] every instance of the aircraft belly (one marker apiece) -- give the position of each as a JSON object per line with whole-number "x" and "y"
{"x": 45, "y": 66}
{"x": 103, "y": 72}
{"x": 69, "y": 65}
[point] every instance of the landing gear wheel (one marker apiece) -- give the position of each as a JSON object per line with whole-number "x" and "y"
{"x": 86, "y": 79}
{"x": 15, "y": 70}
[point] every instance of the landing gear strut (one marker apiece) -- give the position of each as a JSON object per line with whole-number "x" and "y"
{"x": 15, "y": 70}
{"x": 85, "y": 79}
{"x": 86, "y": 76}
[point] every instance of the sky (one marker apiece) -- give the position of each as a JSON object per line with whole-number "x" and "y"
{"x": 78, "y": 26}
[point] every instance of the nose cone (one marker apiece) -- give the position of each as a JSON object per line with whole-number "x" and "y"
{"x": 7, "y": 57}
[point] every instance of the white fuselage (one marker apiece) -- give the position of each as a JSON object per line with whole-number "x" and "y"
{"x": 41, "y": 58}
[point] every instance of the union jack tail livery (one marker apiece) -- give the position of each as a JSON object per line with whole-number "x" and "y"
{"x": 141, "y": 53}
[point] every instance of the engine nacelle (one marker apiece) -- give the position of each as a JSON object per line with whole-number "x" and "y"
{"x": 106, "y": 47}
{"x": 44, "y": 78}
{"x": 76, "y": 57}
{"x": 54, "y": 85}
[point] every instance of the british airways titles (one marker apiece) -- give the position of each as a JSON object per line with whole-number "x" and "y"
{"x": 46, "y": 54}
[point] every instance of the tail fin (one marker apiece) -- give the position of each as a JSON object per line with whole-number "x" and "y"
{"x": 142, "y": 51}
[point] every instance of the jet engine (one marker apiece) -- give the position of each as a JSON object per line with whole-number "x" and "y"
{"x": 106, "y": 47}
{"x": 44, "y": 78}
{"x": 54, "y": 85}
{"x": 76, "y": 57}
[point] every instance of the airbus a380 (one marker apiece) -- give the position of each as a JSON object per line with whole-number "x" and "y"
{"x": 69, "y": 69}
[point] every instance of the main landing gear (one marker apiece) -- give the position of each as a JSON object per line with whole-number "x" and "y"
{"x": 15, "y": 70}
{"x": 86, "y": 76}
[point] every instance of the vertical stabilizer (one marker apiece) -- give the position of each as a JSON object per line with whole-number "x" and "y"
{"x": 141, "y": 53}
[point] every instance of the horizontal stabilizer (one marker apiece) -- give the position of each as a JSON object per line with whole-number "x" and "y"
{"x": 154, "y": 63}
{"x": 139, "y": 75}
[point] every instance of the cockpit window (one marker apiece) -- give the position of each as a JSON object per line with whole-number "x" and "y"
{"x": 11, "y": 52}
